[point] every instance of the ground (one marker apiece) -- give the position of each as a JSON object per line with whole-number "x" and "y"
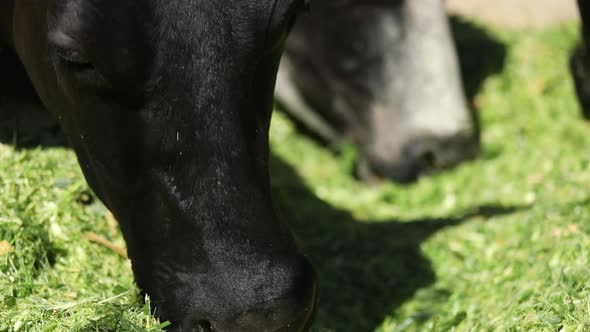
{"x": 501, "y": 243}
{"x": 516, "y": 13}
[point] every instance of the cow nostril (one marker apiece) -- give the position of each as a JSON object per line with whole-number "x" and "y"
{"x": 203, "y": 326}
{"x": 427, "y": 159}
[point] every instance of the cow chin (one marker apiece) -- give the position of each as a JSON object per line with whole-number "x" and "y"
{"x": 248, "y": 294}
{"x": 231, "y": 267}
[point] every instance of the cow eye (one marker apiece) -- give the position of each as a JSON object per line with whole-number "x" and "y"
{"x": 73, "y": 61}
{"x": 68, "y": 51}
{"x": 73, "y": 57}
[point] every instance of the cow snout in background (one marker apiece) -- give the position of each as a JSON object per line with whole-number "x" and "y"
{"x": 385, "y": 75}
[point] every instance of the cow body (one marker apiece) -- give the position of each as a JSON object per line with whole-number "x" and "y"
{"x": 167, "y": 106}
{"x": 580, "y": 61}
{"x": 385, "y": 75}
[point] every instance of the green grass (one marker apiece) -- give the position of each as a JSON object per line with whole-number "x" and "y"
{"x": 498, "y": 244}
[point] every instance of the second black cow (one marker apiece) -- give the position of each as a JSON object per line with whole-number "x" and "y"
{"x": 385, "y": 75}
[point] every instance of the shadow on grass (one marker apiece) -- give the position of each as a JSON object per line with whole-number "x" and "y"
{"x": 480, "y": 56}
{"x": 24, "y": 123}
{"x": 367, "y": 269}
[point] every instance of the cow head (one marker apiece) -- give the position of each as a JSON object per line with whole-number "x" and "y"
{"x": 384, "y": 74}
{"x": 167, "y": 105}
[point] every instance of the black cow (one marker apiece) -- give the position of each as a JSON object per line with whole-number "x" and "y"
{"x": 580, "y": 62}
{"x": 167, "y": 105}
{"x": 385, "y": 75}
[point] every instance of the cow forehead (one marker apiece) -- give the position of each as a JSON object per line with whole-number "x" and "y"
{"x": 206, "y": 20}
{"x": 180, "y": 9}
{"x": 348, "y": 7}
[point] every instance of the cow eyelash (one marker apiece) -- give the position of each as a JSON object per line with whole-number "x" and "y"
{"x": 79, "y": 66}
{"x": 74, "y": 58}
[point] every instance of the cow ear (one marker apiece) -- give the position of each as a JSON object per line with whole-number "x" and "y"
{"x": 307, "y": 5}
{"x": 284, "y": 10}
{"x": 283, "y": 15}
